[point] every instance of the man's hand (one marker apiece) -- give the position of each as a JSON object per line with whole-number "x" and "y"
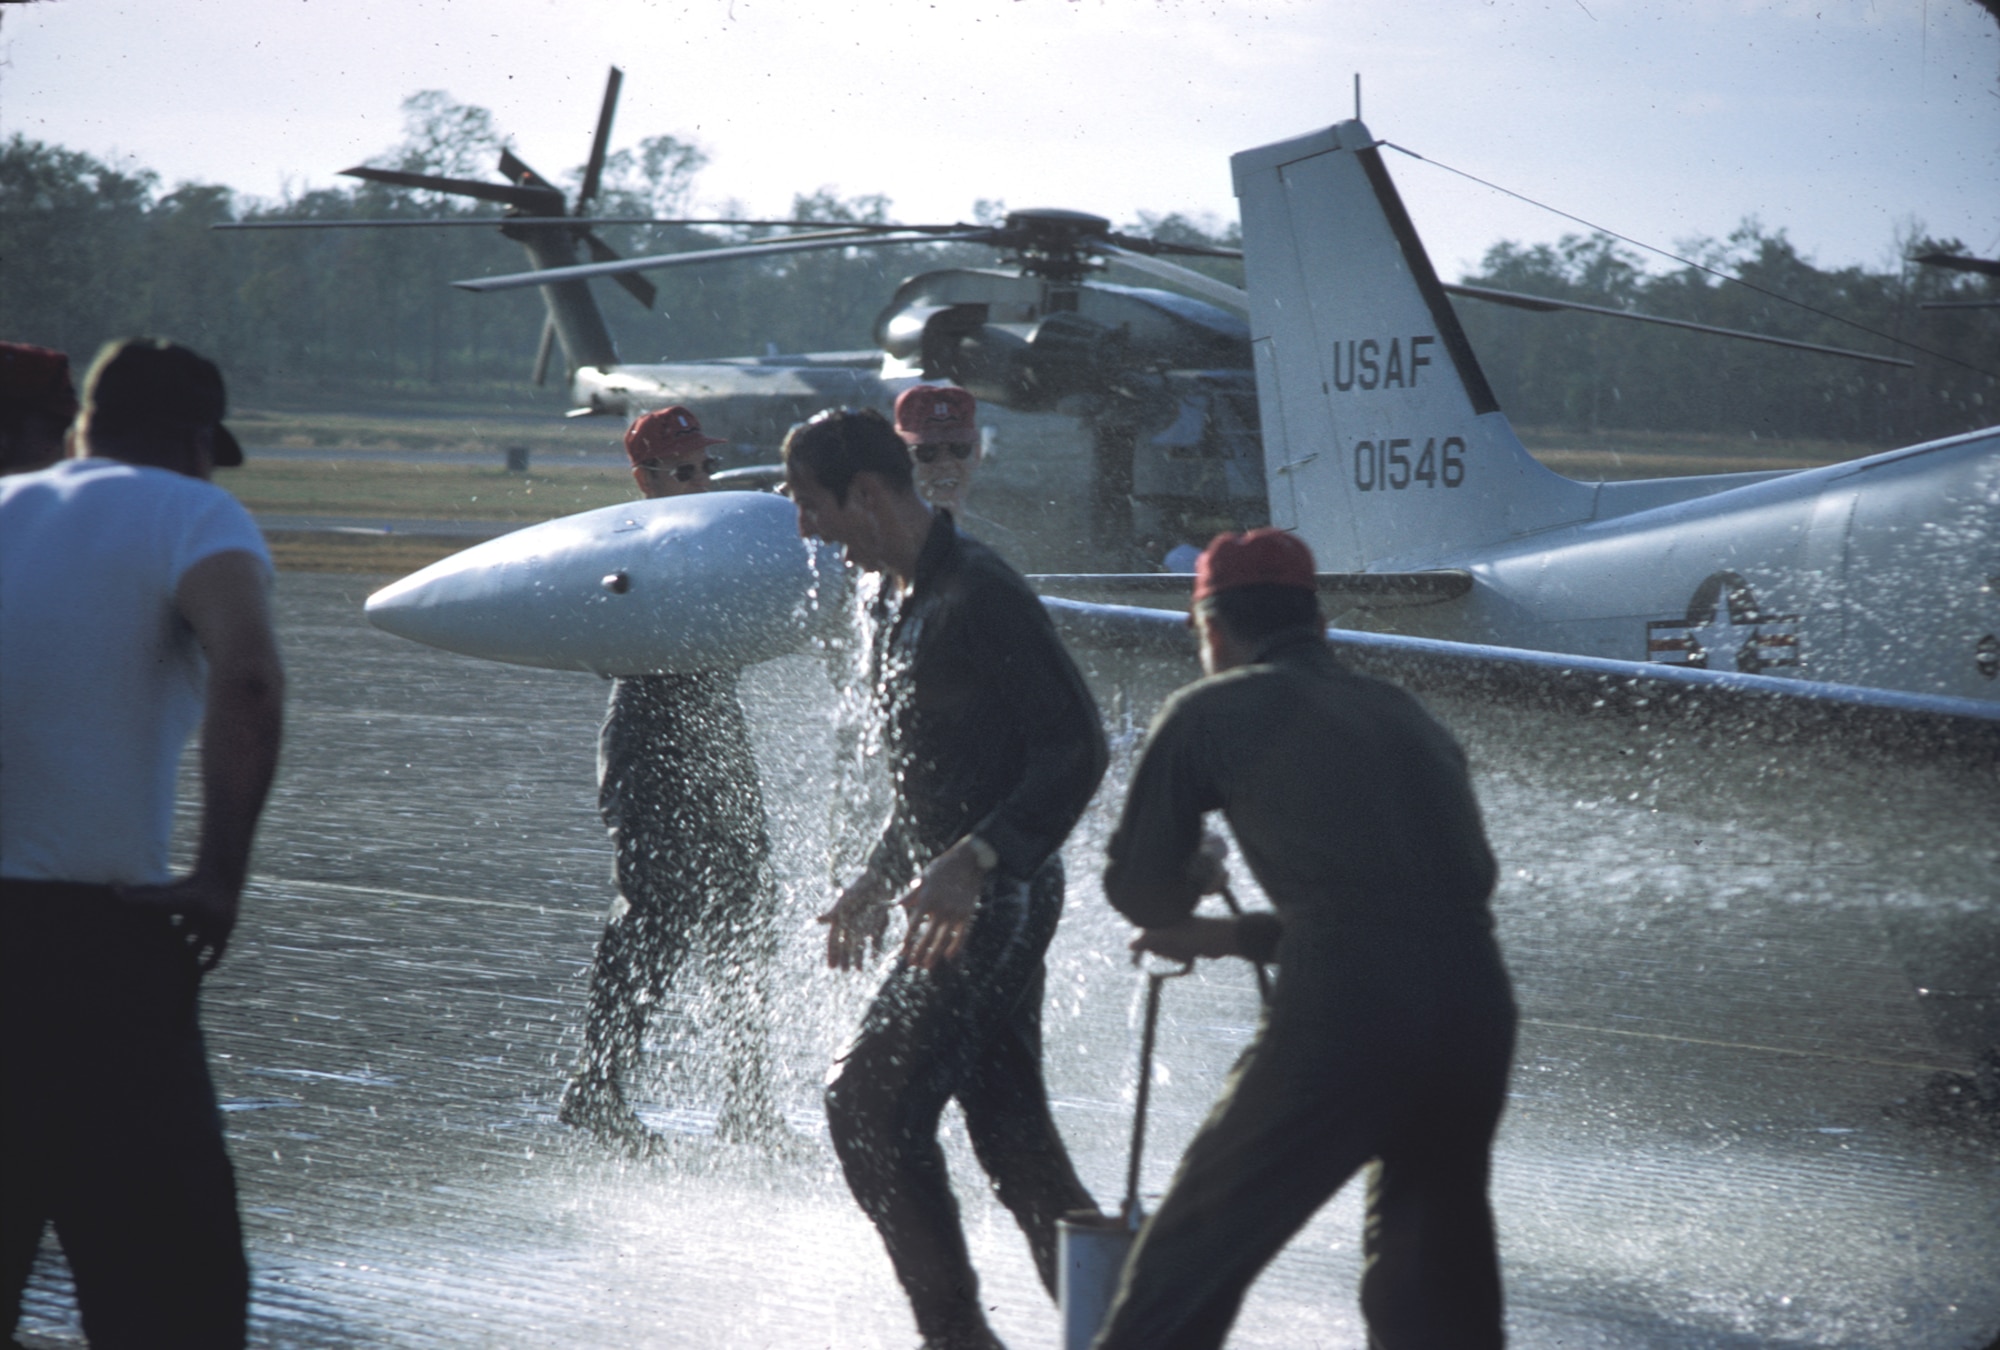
{"x": 205, "y": 905}
{"x": 855, "y": 923}
{"x": 1187, "y": 940}
{"x": 941, "y": 906}
{"x": 1205, "y": 869}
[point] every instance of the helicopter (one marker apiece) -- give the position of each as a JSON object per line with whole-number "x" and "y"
{"x": 1155, "y": 388}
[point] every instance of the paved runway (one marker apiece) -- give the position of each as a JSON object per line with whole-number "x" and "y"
{"x": 1715, "y": 1135}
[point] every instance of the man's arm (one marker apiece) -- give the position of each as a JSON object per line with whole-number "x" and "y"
{"x": 1153, "y": 872}
{"x": 1031, "y": 674}
{"x": 225, "y": 599}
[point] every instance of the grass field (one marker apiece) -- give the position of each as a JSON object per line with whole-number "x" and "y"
{"x": 368, "y": 488}
{"x": 476, "y": 490}
{"x": 474, "y": 434}
{"x": 1610, "y": 455}
{"x": 474, "y": 485}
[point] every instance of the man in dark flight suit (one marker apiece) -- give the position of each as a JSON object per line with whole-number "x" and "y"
{"x": 678, "y": 789}
{"x": 1391, "y": 1025}
{"x": 995, "y": 749}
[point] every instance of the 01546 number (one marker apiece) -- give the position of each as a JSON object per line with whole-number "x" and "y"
{"x": 1389, "y": 464}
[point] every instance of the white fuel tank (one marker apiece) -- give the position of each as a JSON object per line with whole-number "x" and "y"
{"x": 677, "y": 583}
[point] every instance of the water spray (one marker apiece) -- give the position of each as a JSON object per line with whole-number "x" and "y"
{"x": 1091, "y": 1247}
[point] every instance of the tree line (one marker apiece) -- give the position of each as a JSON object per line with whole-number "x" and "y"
{"x": 90, "y": 251}
{"x": 1588, "y": 373}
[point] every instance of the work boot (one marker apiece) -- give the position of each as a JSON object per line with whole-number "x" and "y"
{"x": 598, "y": 1104}
{"x": 767, "y": 1132}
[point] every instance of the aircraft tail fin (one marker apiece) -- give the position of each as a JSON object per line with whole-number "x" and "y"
{"x": 1383, "y": 444}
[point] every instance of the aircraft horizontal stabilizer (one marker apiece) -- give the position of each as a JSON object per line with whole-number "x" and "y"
{"x": 1343, "y": 590}
{"x": 1760, "y": 708}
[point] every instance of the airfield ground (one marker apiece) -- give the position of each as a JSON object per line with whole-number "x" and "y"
{"x": 1714, "y": 1140}
{"x": 1717, "y": 1138}
{"x": 445, "y": 464}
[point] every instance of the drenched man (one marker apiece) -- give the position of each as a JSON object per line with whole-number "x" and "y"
{"x": 995, "y": 749}
{"x": 939, "y": 424}
{"x": 37, "y": 404}
{"x": 677, "y": 784}
{"x": 134, "y": 604}
{"x": 1391, "y": 1026}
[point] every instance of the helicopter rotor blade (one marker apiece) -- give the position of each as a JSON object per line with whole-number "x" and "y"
{"x": 532, "y": 219}
{"x": 515, "y": 170}
{"x": 542, "y": 352}
{"x": 841, "y": 238}
{"x": 1541, "y": 303}
{"x": 1960, "y": 262}
{"x": 1207, "y": 287}
{"x": 536, "y": 200}
{"x": 593, "y": 173}
{"x": 641, "y": 289}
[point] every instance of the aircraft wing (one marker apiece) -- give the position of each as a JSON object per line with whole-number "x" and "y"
{"x": 1762, "y": 706}
{"x": 1346, "y": 590}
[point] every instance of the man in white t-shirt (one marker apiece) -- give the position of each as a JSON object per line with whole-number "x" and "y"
{"x": 134, "y": 604}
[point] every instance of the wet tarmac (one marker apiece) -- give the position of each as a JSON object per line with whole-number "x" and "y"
{"x": 1741, "y": 969}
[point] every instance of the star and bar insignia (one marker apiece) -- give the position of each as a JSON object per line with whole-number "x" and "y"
{"x": 1724, "y": 629}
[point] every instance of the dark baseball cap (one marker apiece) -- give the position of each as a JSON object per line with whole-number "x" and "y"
{"x": 139, "y": 383}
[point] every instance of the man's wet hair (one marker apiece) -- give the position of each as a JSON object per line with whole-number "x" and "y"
{"x": 1253, "y": 613}
{"x": 836, "y": 444}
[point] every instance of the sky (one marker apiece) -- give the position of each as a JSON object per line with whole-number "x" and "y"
{"x": 1846, "y": 123}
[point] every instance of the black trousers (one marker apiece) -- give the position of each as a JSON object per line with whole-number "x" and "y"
{"x": 111, "y": 1131}
{"x": 1413, "y": 1083}
{"x": 679, "y": 793}
{"x": 973, "y": 1032}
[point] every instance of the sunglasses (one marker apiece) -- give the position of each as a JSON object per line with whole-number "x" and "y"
{"x": 927, "y": 453}
{"x": 684, "y": 473}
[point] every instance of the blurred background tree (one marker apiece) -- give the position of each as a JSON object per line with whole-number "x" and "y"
{"x": 91, "y": 250}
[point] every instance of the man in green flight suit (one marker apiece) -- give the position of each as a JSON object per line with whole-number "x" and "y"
{"x": 1391, "y": 1025}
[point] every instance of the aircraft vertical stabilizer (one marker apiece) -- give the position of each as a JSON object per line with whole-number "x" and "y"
{"x": 1383, "y": 445}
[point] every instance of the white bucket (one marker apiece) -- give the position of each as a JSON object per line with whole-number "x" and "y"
{"x": 1090, "y": 1253}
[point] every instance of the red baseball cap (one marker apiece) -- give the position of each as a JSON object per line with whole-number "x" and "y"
{"x": 936, "y": 414}
{"x": 37, "y": 379}
{"x": 667, "y": 433}
{"x": 1263, "y": 557}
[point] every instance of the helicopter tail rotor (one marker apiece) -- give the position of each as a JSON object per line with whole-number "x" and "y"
{"x": 593, "y": 173}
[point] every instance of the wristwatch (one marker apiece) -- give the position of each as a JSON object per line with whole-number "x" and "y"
{"x": 983, "y": 853}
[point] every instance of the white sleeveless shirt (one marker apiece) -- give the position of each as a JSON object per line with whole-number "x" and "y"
{"x": 101, "y": 680}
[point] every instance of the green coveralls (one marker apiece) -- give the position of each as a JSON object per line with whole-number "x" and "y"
{"x": 1391, "y": 1025}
